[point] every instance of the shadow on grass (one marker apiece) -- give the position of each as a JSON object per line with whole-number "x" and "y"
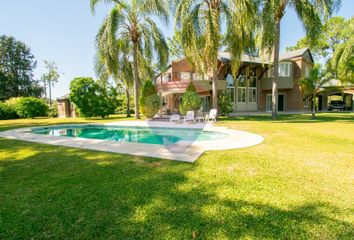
{"x": 57, "y": 192}
{"x": 296, "y": 118}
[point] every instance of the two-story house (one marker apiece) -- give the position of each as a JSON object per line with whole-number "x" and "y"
{"x": 250, "y": 90}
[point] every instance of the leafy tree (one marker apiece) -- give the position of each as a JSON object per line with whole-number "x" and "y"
{"x": 120, "y": 67}
{"x": 342, "y": 62}
{"x": 91, "y": 98}
{"x": 225, "y": 103}
{"x": 149, "y": 100}
{"x": 190, "y": 100}
{"x": 53, "y": 110}
{"x": 30, "y": 107}
{"x": 314, "y": 83}
{"x": 7, "y": 112}
{"x": 175, "y": 45}
{"x": 130, "y": 21}
{"x": 336, "y": 30}
{"x": 272, "y": 12}
{"x": 50, "y": 78}
{"x": 16, "y": 70}
{"x": 201, "y": 26}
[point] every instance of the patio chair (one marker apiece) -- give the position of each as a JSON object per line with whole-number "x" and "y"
{"x": 212, "y": 115}
{"x": 200, "y": 117}
{"x": 189, "y": 117}
{"x": 175, "y": 118}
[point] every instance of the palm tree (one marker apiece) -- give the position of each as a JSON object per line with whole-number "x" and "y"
{"x": 343, "y": 56}
{"x": 201, "y": 26}
{"x": 50, "y": 78}
{"x": 309, "y": 12}
{"x": 312, "y": 84}
{"x": 121, "y": 72}
{"x": 130, "y": 21}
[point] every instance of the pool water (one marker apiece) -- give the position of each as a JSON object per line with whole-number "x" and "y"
{"x": 162, "y": 136}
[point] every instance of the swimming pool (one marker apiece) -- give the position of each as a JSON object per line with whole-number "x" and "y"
{"x": 149, "y": 135}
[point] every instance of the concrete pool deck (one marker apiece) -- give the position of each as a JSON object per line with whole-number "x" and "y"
{"x": 181, "y": 151}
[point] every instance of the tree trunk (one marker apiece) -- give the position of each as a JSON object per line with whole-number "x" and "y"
{"x": 45, "y": 90}
{"x": 314, "y": 107}
{"x": 128, "y": 101}
{"x": 50, "y": 93}
{"x": 215, "y": 89}
{"x": 275, "y": 70}
{"x": 136, "y": 79}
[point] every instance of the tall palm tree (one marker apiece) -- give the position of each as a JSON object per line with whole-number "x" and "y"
{"x": 343, "y": 55}
{"x": 118, "y": 68}
{"x": 202, "y": 32}
{"x": 131, "y": 21}
{"x": 50, "y": 78}
{"x": 312, "y": 84}
{"x": 309, "y": 12}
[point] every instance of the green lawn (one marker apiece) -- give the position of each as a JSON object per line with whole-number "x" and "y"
{"x": 297, "y": 184}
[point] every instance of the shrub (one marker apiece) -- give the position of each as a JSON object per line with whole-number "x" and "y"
{"x": 149, "y": 100}
{"x": 151, "y": 105}
{"x": 12, "y": 102}
{"x": 91, "y": 98}
{"x": 225, "y": 104}
{"x": 53, "y": 110}
{"x": 30, "y": 107}
{"x": 190, "y": 100}
{"x": 6, "y": 112}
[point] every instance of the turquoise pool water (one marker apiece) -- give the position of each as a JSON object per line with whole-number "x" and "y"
{"x": 162, "y": 136}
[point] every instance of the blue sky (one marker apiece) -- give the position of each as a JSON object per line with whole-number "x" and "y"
{"x": 64, "y": 32}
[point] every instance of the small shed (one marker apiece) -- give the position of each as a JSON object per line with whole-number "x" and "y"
{"x": 66, "y": 108}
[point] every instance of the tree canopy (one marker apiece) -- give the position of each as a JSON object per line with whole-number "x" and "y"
{"x": 334, "y": 47}
{"x": 91, "y": 98}
{"x": 202, "y": 33}
{"x": 130, "y": 26}
{"x": 16, "y": 70}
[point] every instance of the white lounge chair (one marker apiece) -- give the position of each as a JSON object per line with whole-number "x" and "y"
{"x": 175, "y": 118}
{"x": 189, "y": 117}
{"x": 212, "y": 115}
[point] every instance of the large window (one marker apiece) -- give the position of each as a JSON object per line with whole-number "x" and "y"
{"x": 252, "y": 95}
{"x": 231, "y": 91}
{"x": 307, "y": 72}
{"x": 185, "y": 75}
{"x": 284, "y": 70}
{"x": 166, "y": 77}
{"x": 252, "y": 89}
{"x": 197, "y": 76}
{"x": 241, "y": 89}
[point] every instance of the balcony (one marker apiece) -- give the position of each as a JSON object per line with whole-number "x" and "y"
{"x": 178, "y": 82}
{"x": 283, "y": 83}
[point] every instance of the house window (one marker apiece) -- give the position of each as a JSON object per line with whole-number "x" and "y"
{"x": 185, "y": 75}
{"x": 252, "y": 89}
{"x": 231, "y": 91}
{"x": 166, "y": 77}
{"x": 197, "y": 76}
{"x": 252, "y": 95}
{"x": 241, "y": 95}
{"x": 284, "y": 70}
{"x": 241, "y": 89}
{"x": 307, "y": 71}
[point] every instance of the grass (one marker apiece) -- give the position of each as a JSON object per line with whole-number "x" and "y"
{"x": 298, "y": 184}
